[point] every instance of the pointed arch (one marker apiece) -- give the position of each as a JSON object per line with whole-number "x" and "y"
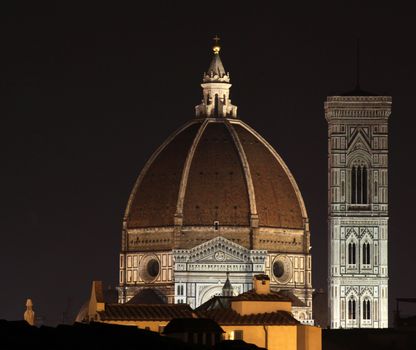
{"x": 352, "y": 308}
{"x": 358, "y": 184}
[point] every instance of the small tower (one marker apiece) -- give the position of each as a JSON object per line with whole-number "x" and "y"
{"x": 216, "y": 89}
{"x": 227, "y": 289}
{"x": 29, "y": 315}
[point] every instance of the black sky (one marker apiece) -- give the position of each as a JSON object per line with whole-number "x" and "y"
{"x": 88, "y": 93}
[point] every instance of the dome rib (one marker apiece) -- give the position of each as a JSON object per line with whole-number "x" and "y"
{"x": 213, "y": 170}
{"x": 216, "y": 187}
{"x": 284, "y": 167}
{"x": 150, "y": 162}
{"x": 247, "y": 173}
{"x": 185, "y": 174}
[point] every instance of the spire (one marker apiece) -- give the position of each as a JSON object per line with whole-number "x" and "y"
{"x": 227, "y": 289}
{"x": 216, "y": 89}
{"x": 29, "y": 315}
{"x": 216, "y": 71}
{"x": 357, "y": 89}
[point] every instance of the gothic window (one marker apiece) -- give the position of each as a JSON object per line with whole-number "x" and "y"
{"x": 366, "y": 253}
{"x": 352, "y": 309}
{"x": 351, "y": 253}
{"x": 180, "y": 290}
{"x": 359, "y": 181}
{"x": 366, "y": 309}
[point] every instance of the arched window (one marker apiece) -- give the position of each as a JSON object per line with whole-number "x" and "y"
{"x": 351, "y": 309}
{"x": 359, "y": 182}
{"x": 366, "y": 254}
{"x": 351, "y": 253}
{"x": 366, "y": 309}
{"x": 216, "y": 107}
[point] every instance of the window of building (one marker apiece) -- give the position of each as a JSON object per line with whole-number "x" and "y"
{"x": 351, "y": 309}
{"x": 359, "y": 180}
{"x": 366, "y": 253}
{"x": 238, "y": 335}
{"x": 352, "y": 253}
{"x": 366, "y": 309}
{"x": 216, "y": 225}
{"x": 179, "y": 289}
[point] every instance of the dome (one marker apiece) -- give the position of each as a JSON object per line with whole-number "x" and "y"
{"x": 215, "y": 176}
{"x": 215, "y": 172}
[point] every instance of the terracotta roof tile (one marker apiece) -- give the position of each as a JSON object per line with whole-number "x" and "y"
{"x": 231, "y": 317}
{"x": 154, "y": 200}
{"x": 217, "y": 189}
{"x": 162, "y": 312}
{"x": 277, "y": 203}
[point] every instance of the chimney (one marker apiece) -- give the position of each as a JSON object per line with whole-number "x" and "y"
{"x": 261, "y": 284}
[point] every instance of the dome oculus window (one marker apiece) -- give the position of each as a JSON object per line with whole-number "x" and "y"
{"x": 278, "y": 269}
{"x": 149, "y": 268}
{"x": 153, "y": 268}
{"x": 282, "y": 269}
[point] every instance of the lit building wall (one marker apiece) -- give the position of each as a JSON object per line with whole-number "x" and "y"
{"x": 358, "y": 210}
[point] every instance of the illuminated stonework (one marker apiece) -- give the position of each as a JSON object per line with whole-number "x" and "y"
{"x": 358, "y": 210}
{"x": 215, "y": 198}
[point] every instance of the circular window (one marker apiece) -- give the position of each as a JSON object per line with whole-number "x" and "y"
{"x": 153, "y": 268}
{"x": 278, "y": 268}
{"x": 282, "y": 269}
{"x": 149, "y": 268}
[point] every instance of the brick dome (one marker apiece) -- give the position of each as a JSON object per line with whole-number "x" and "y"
{"x": 215, "y": 172}
{"x": 215, "y": 176}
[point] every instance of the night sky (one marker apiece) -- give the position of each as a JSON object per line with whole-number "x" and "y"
{"x": 89, "y": 92}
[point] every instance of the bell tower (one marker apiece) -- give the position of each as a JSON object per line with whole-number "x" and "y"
{"x": 358, "y": 209}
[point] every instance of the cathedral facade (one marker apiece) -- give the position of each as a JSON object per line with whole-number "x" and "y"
{"x": 215, "y": 200}
{"x": 358, "y": 209}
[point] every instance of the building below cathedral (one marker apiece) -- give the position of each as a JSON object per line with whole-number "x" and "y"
{"x": 215, "y": 199}
{"x": 259, "y": 316}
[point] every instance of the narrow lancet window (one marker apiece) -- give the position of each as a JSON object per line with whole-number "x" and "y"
{"x": 359, "y": 184}
{"x": 351, "y": 309}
